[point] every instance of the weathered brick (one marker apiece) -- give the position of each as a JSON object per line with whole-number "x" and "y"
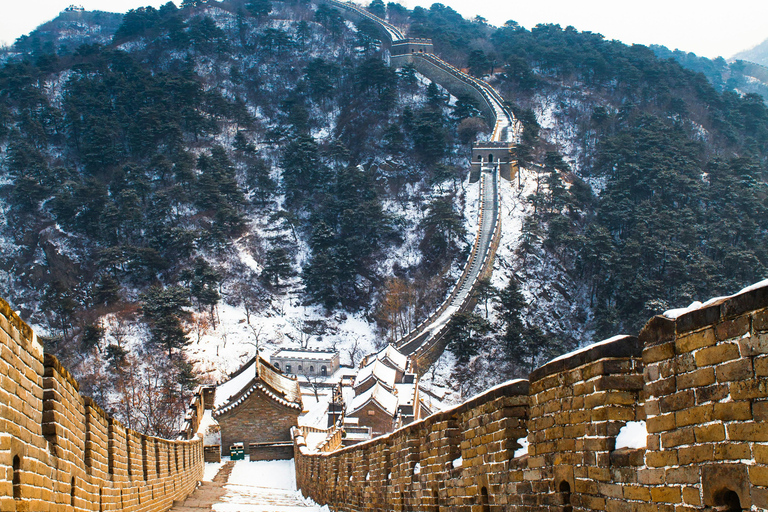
{"x": 677, "y": 401}
{"x": 741, "y": 369}
{"x": 666, "y": 495}
{"x": 678, "y": 437}
{"x": 760, "y": 410}
{"x": 695, "y": 340}
{"x": 713, "y": 393}
{"x": 758, "y": 475}
{"x": 691, "y": 496}
{"x": 754, "y": 432}
{"x": 658, "y": 353}
{"x": 747, "y": 389}
{"x": 709, "y": 433}
{"x": 694, "y": 415}
{"x": 731, "y": 411}
{"x": 760, "y": 320}
{"x": 732, "y": 328}
{"x": 717, "y": 354}
{"x": 698, "y": 378}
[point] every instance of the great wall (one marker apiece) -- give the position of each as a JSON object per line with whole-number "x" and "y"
{"x": 60, "y": 452}
{"x": 699, "y": 381}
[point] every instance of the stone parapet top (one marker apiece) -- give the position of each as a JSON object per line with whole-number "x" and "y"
{"x": 622, "y": 346}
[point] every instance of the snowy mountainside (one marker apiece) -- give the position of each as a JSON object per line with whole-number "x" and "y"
{"x": 175, "y": 227}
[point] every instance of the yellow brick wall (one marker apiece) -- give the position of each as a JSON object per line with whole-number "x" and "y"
{"x": 700, "y": 382}
{"x": 60, "y": 452}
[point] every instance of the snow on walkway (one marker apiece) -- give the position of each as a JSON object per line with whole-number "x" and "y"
{"x": 264, "y": 486}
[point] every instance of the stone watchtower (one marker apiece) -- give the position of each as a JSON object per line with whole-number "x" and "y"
{"x": 492, "y": 154}
{"x": 402, "y": 50}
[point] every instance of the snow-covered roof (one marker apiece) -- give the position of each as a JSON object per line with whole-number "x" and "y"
{"x": 280, "y": 383}
{"x": 396, "y": 357}
{"x": 406, "y": 393}
{"x": 379, "y": 371}
{"x": 378, "y": 394}
{"x": 235, "y": 384}
{"x": 257, "y": 374}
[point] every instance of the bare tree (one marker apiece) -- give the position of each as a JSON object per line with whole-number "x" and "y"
{"x": 354, "y": 350}
{"x": 312, "y": 380}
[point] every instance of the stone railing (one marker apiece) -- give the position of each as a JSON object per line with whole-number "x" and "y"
{"x": 60, "y": 451}
{"x": 699, "y": 383}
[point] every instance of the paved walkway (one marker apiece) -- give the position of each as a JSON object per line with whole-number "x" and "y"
{"x": 244, "y": 486}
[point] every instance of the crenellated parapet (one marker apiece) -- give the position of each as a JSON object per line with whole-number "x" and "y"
{"x": 60, "y": 451}
{"x": 697, "y": 380}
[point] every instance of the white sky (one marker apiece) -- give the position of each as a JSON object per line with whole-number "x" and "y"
{"x": 705, "y": 27}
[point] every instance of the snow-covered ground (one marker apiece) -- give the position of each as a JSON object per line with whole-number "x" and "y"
{"x": 264, "y": 486}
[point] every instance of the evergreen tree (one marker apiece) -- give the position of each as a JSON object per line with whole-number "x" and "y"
{"x": 163, "y": 309}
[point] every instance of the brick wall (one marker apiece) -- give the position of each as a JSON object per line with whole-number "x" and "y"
{"x": 700, "y": 382}
{"x": 59, "y": 451}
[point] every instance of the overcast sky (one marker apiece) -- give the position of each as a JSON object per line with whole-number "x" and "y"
{"x": 704, "y": 27}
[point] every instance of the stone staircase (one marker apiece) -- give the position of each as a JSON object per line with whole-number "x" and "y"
{"x": 255, "y": 487}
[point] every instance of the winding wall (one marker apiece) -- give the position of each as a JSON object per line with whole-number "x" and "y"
{"x": 426, "y": 342}
{"x": 700, "y": 382}
{"x": 60, "y": 452}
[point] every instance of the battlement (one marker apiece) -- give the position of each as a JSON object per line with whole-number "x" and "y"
{"x": 59, "y": 449}
{"x": 698, "y": 380}
{"x": 493, "y": 153}
{"x": 411, "y": 45}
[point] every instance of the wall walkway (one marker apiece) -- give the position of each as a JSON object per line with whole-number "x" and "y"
{"x": 426, "y": 342}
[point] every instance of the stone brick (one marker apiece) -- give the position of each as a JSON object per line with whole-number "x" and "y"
{"x": 678, "y": 437}
{"x": 695, "y": 340}
{"x": 666, "y": 495}
{"x": 694, "y": 415}
{"x": 691, "y": 496}
{"x": 747, "y": 389}
{"x": 740, "y": 369}
{"x": 677, "y": 401}
{"x": 658, "y": 353}
{"x": 760, "y": 320}
{"x": 713, "y": 393}
{"x": 761, "y": 453}
{"x": 753, "y": 432}
{"x": 709, "y": 433}
{"x": 732, "y": 411}
{"x": 699, "y": 378}
{"x": 732, "y": 328}
{"x": 758, "y": 475}
{"x": 717, "y": 354}
{"x": 760, "y": 410}
{"x": 761, "y": 366}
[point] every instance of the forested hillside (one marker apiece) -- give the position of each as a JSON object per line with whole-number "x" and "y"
{"x": 221, "y": 176}
{"x": 649, "y": 188}
{"x": 221, "y": 159}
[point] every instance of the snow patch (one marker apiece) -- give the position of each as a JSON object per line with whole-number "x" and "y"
{"x": 632, "y": 435}
{"x": 523, "y": 450}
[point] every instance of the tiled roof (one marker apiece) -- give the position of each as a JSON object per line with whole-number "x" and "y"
{"x": 378, "y": 394}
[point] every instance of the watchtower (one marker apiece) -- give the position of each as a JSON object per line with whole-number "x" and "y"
{"x": 492, "y": 154}
{"x": 402, "y": 50}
